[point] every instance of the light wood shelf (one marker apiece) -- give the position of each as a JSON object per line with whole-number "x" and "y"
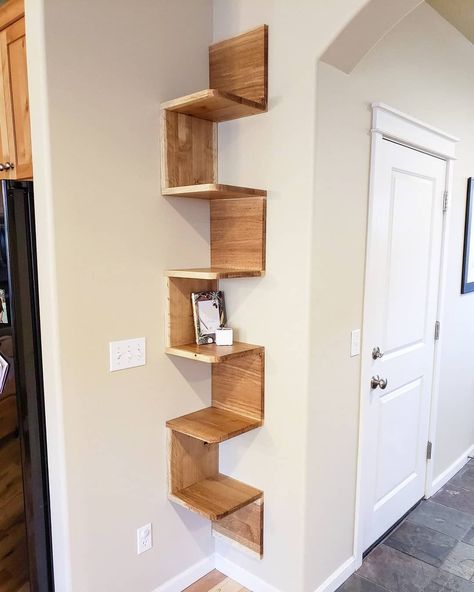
{"x": 214, "y": 105}
{"x": 238, "y": 87}
{"x": 213, "y": 191}
{"x": 213, "y": 273}
{"x": 213, "y": 425}
{"x": 217, "y": 496}
{"x": 212, "y": 353}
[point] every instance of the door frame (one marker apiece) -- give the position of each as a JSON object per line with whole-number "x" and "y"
{"x": 391, "y": 124}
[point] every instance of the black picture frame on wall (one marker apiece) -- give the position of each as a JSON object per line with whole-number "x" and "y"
{"x": 467, "y": 284}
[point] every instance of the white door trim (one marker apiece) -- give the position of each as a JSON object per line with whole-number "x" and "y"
{"x": 390, "y": 124}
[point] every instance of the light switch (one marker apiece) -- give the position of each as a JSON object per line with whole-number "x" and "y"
{"x": 127, "y": 354}
{"x": 355, "y": 343}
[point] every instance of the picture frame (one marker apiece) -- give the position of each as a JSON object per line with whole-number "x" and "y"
{"x": 4, "y": 369}
{"x": 467, "y": 283}
{"x": 209, "y": 314}
{"x": 5, "y": 320}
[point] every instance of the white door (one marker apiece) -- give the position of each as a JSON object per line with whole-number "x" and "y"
{"x": 402, "y": 283}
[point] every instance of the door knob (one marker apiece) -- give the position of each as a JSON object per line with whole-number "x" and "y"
{"x": 9, "y": 165}
{"x": 2, "y": 166}
{"x": 377, "y": 353}
{"x": 378, "y": 382}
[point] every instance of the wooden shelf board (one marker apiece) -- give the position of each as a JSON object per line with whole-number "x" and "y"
{"x": 216, "y": 497}
{"x": 214, "y": 105}
{"x": 213, "y": 191}
{"x": 213, "y": 425}
{"x": 213, "y": 273}
{"x": 213, "y": 354}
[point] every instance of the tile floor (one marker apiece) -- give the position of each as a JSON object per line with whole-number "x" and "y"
{"x": 431, "y": 551}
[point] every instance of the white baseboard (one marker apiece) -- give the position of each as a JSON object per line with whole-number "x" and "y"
{"x": 338, "y": 577}
{"x": 188, "y": 577}
{"x": 245, "y": 578}
{"x": 450, "y": 471}
{"x": 242, "y": 576}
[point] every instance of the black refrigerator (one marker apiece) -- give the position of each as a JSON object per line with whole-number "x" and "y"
{"x": 25, "y": 530}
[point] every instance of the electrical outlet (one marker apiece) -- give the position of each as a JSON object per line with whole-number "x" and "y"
{"x": 144, "y": 538}
{"x": 127, "y": 354}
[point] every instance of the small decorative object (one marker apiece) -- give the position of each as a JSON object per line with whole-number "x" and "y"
{"x": 224, "y": 336}
{"x": 4, "y": 368}
{"x": 209, "y": 315}
{"x": 468, "y": 260}
{"x": 3, "y": 308}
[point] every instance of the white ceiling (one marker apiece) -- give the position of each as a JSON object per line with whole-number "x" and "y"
{"x": 460, "y": 13}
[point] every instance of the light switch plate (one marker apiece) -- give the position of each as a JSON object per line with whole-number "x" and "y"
{"x": 127, "y": 354}
{"x": 355, "y": 343}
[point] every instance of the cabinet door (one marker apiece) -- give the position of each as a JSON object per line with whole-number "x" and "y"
{"x": 17, "y": 149}
{"x": 5, "y": 110}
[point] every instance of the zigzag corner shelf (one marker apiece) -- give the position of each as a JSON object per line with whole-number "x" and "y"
{"x": 238, "y": 88}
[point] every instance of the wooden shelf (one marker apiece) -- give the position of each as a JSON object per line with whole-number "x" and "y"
{"x": 213, "y": 354}
{"x": 238, "y": 87}
{"x": 213, "y": 273}
{"x": 217, "y": 496}
{"x": 213, "y": 191}
{"x": 213, "y": 425}
{"x": 214, "y": 105}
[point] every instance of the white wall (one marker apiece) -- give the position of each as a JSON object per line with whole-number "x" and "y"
{"x": 423, "y": 67}
{"x": 99, "y": 71}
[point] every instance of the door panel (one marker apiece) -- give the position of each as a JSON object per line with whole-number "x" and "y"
{"x": 401, "y": 406}
{"x": 403, "y": 263}
{"x": 4, "y": 104}
{"x": 408, "y": 254}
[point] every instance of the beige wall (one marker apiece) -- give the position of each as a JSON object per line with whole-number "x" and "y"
{"x": 97, "y": 74}
{"x": 424, "y": 68}
{"x": 276, "y": 151}
{"x": 97, "y": 77}
{"x": 105, "y": 236}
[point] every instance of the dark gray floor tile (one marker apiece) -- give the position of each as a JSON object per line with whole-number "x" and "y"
{"x": 456, "y": 497}
{"x": 460, "y": 561}
{"x": 465, "y": 477}
{"x": 469, "y": 537}
{"x": 396, "y": 571}
{"x": 447, "y": 582}
{"x": 423, "y": 543}
{"x": 357, "y": 584}
{"x": 443, "y": 519}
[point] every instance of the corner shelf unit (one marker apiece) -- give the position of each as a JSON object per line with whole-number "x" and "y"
{"x": 238, "y": 88}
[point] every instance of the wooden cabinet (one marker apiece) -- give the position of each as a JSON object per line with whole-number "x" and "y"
{"x": 15, "y": 138}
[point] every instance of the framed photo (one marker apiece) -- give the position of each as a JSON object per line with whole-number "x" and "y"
{"x": 4, "y": 309}
{"x": 4, "y": 368}
{"x": 209, "y": 315}
{"x": 468, "y": 259}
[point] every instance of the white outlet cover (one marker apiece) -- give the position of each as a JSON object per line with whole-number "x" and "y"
{"x": 144, "y": 538}
{"x": 128, "y": 353}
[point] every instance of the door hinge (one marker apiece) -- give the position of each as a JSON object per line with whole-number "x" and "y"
{"x": 429, "y": 449}
{"x": 437, "y": 330}
{"x": 445, "y": 201}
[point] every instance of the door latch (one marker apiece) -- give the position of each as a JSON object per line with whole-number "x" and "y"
{"x": 378, "y": 382}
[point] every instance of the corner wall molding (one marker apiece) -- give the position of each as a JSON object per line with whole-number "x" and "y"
{"x": 242, "y": 576}
{"x": 448, "y": 473}
{"x": 188, "y": 577}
